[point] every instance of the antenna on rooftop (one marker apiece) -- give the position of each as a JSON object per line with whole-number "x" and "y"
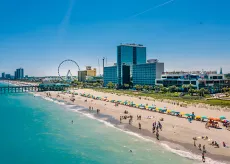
{"x": 99, "y": 67}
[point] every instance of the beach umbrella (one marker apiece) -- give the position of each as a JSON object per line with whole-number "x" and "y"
{"x": 204, "y": 117}
{"x": 164, "y": 110}
{"x": 187, "y": 114}
{"x": 216, "y": 119}
{"x": 222, "y": 117}
{"x": 182, "y": 113}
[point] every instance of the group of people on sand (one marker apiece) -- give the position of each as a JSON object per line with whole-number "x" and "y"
{"x": 138, "y": 117}
{"x": 48, "y": 94}
{"x": 199, "y": 147}
{"x": 156, "y": 127}
{"x": 126, "y": 117}
{"x": 91, "y": 109}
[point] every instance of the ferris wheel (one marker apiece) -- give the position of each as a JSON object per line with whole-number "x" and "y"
{"x": 69, "y": 76}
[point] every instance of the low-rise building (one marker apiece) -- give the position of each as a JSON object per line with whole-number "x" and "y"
{"x": 82, "y": 75}
{"x": 198, "y": 79}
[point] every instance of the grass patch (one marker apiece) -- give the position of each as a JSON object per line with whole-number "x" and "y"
{"x": 169, "y": 96}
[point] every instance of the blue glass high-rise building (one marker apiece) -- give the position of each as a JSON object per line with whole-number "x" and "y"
{"x": 129, "y": 54}
{"x": 19, "y": 73}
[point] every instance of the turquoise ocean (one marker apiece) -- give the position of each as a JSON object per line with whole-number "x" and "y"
{"x": 35, "y": 130}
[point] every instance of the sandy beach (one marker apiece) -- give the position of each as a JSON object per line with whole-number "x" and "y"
{"x": 177, "y": 132}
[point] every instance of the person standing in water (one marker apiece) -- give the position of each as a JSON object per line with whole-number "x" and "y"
{"x": 72, "y": 121}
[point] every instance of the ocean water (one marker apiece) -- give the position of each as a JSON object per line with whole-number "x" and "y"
{"x": 37, "y": 131}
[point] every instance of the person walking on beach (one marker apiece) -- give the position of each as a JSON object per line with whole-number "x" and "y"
{"x": 139, "y": 125}
{"x": 120, "y": 119}
{"x": 199, "y": 146}
{"x": 203, "y": 158}
{"x": 154, "y": 127}
{"x": 204, "y": 150}
{"x": 160, "y": 126}
{"x": 130, "y": 121}
{"x": 157, "y": 135}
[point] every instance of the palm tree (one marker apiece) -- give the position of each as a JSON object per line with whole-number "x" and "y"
{"x": 150, "y": 87}
{"x": 156, "y": 88}
{"x": 164, "y": 89}
{"x": 146, "y": 87}
{"x": 126, "y": 85}
{"x": 110, "y": 85}
{"x": 172, "y": 88}
{"x": 201, "y": 92}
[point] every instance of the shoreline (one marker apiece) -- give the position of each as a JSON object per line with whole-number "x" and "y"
{"x": 164, "y": 140}
{"x": 177, "y": 133}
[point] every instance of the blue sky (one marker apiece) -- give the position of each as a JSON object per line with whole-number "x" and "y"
{"x": 184, "y": 34}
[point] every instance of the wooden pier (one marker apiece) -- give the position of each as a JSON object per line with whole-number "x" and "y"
{"x": 23, "y": 89}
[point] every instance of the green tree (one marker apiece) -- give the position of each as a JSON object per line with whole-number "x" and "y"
{"x": 164, "y": 89}
{"x": 138, "y": 87}
{"x": 146, "y": 87}
{"x": 201, "y": 92}
{"x": 150, "y": 87}
{"x": 172, "y": 88}
{"x": 157, "y": 88}
{"x": 110, "y": 85}
{"x": 126, "y": 85}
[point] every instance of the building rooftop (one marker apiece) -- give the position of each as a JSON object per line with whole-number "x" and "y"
{"x": 189, "y": 72}
{"x": 131, "y": 44}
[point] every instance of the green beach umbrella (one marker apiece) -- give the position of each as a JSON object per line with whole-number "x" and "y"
{"x": 222, "y": 117}
{"x": 204, "y": 117}
{"x": 187, "y": 114}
